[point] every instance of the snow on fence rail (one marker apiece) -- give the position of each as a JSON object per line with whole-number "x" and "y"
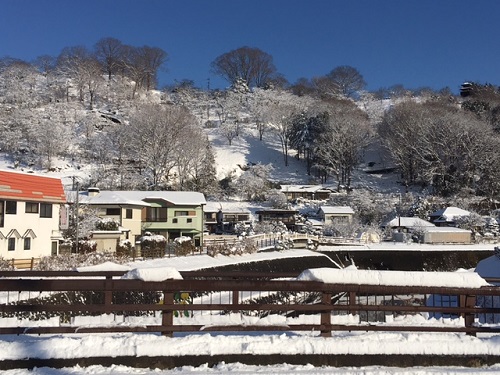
{"x": 99, "y": 302}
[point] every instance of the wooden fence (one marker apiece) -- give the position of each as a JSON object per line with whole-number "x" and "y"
{"x": 24, "y": 264}
{"x": 55, "y": 302}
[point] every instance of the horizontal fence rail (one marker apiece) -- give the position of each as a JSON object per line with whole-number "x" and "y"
{"x": 43, "y": 302}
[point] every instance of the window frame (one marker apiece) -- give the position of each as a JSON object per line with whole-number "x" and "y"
{"x": 11, "y": 244}
{"x": 45, "y": 210}
{"x": 113, "y": 211}
{"x": 156, "y": 214}
{"x": 29, "y": 207}
{"x": 27, "y": 241}
{"x": 10, "y": 210}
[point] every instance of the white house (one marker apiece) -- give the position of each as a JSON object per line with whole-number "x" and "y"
{"x": 30, "y": 207}
{"x": 447, "y": 216}
{"x": 336, "y": 214}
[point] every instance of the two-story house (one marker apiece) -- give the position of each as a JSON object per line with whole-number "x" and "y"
{"x": 30, "y": 207}
{"x": 171, "y": 214}
{"x": 222, "y": 217}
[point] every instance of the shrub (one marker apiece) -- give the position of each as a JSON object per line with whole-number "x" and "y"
{"x": 183, "y": 246}
{"x": 124, "y": 248}
{"x": 106, "y": 224}
{"x": 153, "y": 245}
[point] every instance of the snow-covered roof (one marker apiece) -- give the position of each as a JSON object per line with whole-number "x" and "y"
{"x": 449, "y": 213}
{"x": 489, "y": 267}
{"x": 352, "y": 275}
{"x": 338, "y": 210}
{"x": 409, "y": 222}
{"x": 226, "y": 207}
{"x": 447, "y": 230}
{"x": 136, "y": 198}
{"x": 303, "y": 188}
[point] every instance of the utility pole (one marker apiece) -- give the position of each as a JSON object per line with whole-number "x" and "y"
{"x": 75, "y": 216}
{"x": 208, "y": 99}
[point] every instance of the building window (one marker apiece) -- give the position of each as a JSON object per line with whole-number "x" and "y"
{"x": 112, "y": 211}
{"x": 31, "y": 208}
{"x": 27, "y": 243}
{"x": 189, "y": 220}
{"x": 11, "y": 245}
{"x": 45, "y": 210}
{"x": 181, "y": 213}
{"x": 11, "y": 207}
{"x": 128, "y": 213}
{"x": 174, "y": 220}
{"x": 156, "y": 214}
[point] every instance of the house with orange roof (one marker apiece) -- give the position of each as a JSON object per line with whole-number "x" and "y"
{"x": 30, "y": 208}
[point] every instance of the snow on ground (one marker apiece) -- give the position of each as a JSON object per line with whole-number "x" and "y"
{"x": 247, "y": 149}
{"x": 410, "y": 246}
{"x": 202, "y": 343}
{"x": 204, "y": 261}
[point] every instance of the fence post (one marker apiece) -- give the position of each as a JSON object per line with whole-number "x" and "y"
{"x": 167, "y": 318}
{"x": 236, "y": 299}
{"x": 326, "y": 316}
{"x": 108, "y": 295}
{"x": 32, "y": 263}
{"x": 352, "y": 302}
{"x": 468, "y": 301}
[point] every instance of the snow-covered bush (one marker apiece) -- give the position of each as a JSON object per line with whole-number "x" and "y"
{"x": 284, "y": 244}
{"x": 5, "y": 265}
{"x": 66, "y": 262}
{"x": 341, "y": 229}
{"x": 245, "y": 246}
{"x": 184, "y": 246}
{"x": 106, "y": 224}
{"x": 86, "y": 246}
{"x": 152, "y": 245}
{"x": 270, "y": 227}
{"x": 277, "y": 199}
{"x": 124, "y": 248}
{"x": 473, "y": 222}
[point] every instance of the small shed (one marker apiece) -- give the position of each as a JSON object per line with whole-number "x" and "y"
{"x": 106, "y": 240}
{"x": 446, "y": 235}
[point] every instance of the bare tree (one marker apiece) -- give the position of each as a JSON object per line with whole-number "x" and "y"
{"x": 340, "y": 145}
{"x": 142, "y": 65}
{"x": 438, "y": 145}
{"x": 347, "y": 79}
{"x": 109, "y": 52}
{"x": 252, "y": 65}
{"x": 153, "y": 58}
{"x": 158, "y": 134}
{"x": 18, "y": 83}
{"x": 82, "y": 67}
{"x": 280, "y": 114}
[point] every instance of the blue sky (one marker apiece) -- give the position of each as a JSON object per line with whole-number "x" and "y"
{"x": 435, "y": 43}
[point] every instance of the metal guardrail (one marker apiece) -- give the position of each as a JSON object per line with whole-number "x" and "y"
{"x": 33, "y": 297}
